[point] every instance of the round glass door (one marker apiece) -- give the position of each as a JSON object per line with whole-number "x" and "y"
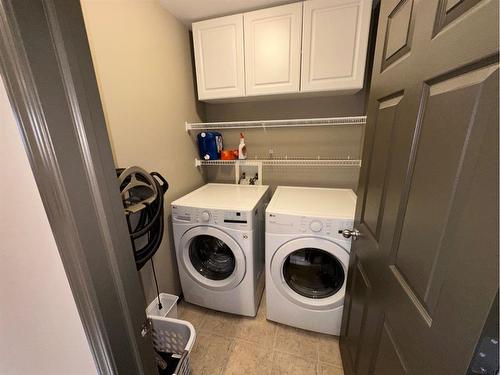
{"x": 313, "y": 273}
{"x": 211, "y": 257}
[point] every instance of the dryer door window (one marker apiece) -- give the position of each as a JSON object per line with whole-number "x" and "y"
{"x": 313, "y": 273}
{"x": 211, "y": 257}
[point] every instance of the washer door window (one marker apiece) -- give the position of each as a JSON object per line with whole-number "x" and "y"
{"x": 311, "y": 272}
{"x": 212, "y": 258}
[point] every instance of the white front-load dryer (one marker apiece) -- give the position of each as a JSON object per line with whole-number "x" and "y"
{"x": 218, "y": 235}
{"x": 307, "y": 258}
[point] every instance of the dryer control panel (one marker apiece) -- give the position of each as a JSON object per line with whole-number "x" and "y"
{"x": 226, "y": 218}
{"x": 295, "y": 224}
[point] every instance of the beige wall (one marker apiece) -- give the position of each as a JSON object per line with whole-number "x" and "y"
{"x": 142, "y": 58}
{"x": 269, "y": 109}
{"x": 40, "y": 329}
{"x": 339, "y": 142}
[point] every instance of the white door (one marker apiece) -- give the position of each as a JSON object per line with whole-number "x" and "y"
{"x": 272, "y": 50}
{"x": 212, "y": 258}
{"x": 219, "y": 58}
{"x": 311, "y": 272}
{"x": 335, "y": 39}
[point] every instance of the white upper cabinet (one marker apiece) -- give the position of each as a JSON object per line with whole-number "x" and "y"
{"x": 272, "y": 50}
{"x": 219, "y": 57}
{"x": 310, "y": 46}
{"x": 334, "y": 44}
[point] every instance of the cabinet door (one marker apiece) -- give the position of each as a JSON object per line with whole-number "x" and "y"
{"x": 335, "y": 39}
{"x": 272, "y": 50}
{"x": 218, "y": 51}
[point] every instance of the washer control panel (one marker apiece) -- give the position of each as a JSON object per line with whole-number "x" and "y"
{"x": 291, "y": 224}
{"x": 232, "y": 219}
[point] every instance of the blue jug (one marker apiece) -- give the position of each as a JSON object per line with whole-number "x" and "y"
{"x": 210, "y": 145}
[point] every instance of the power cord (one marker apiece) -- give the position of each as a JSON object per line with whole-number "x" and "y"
{"x": 156, "y": 283}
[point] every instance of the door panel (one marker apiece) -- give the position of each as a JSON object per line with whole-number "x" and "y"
{"x": 272, "y": 50}
{"x": 439, "y": 154}
{"x": 474, "y": 166}
{"x": 218, "y": 50}
{"x": 450, "y": 10}
{"x": 399, "y": 32}
{"x": 428, "y": 198}
{"x": 335, "y": 39}
{"x": 388, "y": 360}
{"x": 386, "y": 118}
{"x": 361, "y": 290}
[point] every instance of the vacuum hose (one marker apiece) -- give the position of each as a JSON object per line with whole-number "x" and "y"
{"x": 142, "y": 194}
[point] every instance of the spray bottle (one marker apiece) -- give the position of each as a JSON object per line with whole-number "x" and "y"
{"x": 242, "y": 149}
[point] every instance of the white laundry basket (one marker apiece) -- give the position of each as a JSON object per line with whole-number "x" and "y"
{"x": 174, "y": 336}
{"x": 171, "y": 335}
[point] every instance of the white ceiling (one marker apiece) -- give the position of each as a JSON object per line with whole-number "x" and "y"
{"x": 194, "y": 10}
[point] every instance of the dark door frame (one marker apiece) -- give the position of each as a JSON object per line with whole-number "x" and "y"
{"x": 46, "y": 64}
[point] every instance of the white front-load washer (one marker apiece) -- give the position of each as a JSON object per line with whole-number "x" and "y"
{"x": 219, "y": 242}
{"x": 306, "y": 257}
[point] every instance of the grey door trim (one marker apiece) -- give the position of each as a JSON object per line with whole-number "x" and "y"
{"x": 46, "y": 65}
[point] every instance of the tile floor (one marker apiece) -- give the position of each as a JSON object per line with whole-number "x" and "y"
{"x": 228, "y": 344}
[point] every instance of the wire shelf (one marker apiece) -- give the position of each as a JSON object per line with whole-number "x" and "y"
{"x": 286, "y": 162}
{"x": 313, "y": 122}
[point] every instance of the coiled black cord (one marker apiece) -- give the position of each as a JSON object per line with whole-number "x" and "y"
{"x": 149, "y": 224}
